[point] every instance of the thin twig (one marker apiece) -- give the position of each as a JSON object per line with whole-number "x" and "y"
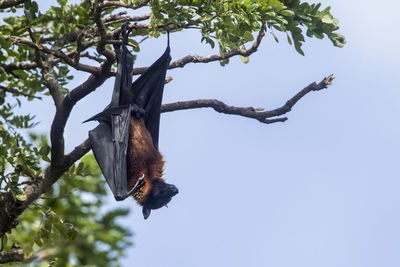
{"x": 16, "y": 92}
{"x": 206, "y": 59}
{"x": 121, "y": 4}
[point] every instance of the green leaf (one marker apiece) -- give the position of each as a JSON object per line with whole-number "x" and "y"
{"x": 135, "y": 45}
{"x": 248, "y": 36}
{"x": 337, "y": 39}
{"x": 44, "y": 150}
{"x": 62, "y": 2}
{"x": 223, "y": 62}
{"x": 275, "y": 37}
{"x": 2, "y": 97}
{"x": 80, "y": 168}
{"x": 29, "y": 14}
{"x": 4, "y": 240}
{"x": 72, "y": 233}
{"x": 211, "y": 42}
{"x": 20, "y": 195}
{"x": 244, "y": 59}
{"x": 298, "y": 49}
{"x": 289, "y": 39}
{"x": 328, "y": 18}
{"x": 46, "y": 158}
{"x": 288, "y": 13}
{"x": 45, "y": 230}
{"x": 38, "y": 239}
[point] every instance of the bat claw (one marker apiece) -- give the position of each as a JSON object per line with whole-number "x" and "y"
{"x": 136, "y": 184}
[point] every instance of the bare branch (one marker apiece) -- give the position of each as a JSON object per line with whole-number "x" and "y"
{"x": 18, "y": 66}
{"x": 249, "y": 112}
{"x": 50, "y": 80}
{"x": 87, "y": 55}
{"x": 119, "y": 19}
{"x": 206, "y": 59}
{"x": 56, "y": 53}
{"x": 220, "y": 107}
{"x": 16, "y": 92}
{"x": 121, "y": 4}
{"x": 62, "y": 114}
{"x": 10, "y": 3}
{"x": 101, "y": 46}
{"x": 78, "y": 152}
{"x": 12, "y": 255}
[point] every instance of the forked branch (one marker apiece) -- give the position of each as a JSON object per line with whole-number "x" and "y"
{"x": 270, "y": 116}
{"x": 180, "y": 63}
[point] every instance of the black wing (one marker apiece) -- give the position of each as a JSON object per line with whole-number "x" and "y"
{"x": 110, "y": 139}
{"x": 109, "y": 144}
{"x": 148, "y": 91}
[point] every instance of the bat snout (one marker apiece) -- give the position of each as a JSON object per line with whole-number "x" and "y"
{"x": 173, "y": 190}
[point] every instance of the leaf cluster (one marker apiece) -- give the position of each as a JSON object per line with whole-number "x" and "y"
{"x": 67, "y": 226}
{"x": 19, "y": 160}
{"x": 232, "y": 23}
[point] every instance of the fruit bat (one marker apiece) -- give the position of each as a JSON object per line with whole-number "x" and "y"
{"x": 125, "y": 143}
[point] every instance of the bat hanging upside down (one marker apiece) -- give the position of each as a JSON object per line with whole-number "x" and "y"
{"x": 125, "y": 144}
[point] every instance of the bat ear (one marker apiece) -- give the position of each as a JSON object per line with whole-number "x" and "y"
{"x": 146, "y": 212}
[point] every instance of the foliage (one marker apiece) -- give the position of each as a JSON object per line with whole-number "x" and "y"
{"x": 69, "y": 216}
{"x": 67, "y": 226}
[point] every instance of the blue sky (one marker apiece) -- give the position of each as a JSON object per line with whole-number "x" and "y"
{"x": 321, "y": 189}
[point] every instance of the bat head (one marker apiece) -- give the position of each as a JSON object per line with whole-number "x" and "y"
{"x": 160, "y": 195}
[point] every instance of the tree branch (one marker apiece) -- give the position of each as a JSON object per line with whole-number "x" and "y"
{"x": 10, "y": 3}
{"x": 104, "y": 35}
{"x": 16, "y": 92}
{"x": 119, "y": 19}
{"x": 249, "y": 112}
{"x": 18, "y": 66}
{"x": 78, "y": 152}
{"x": 206, "y": 59}
{"x": 62, "y": 114}
{"x": 121, "y": 4}
{"x": 12, "y": 255}
{"x": 59, "y": 54}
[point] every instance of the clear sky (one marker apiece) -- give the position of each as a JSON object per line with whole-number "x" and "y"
{"x": 321, "y": 189}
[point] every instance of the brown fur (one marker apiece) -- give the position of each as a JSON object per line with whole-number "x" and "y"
{"x": 143, "y": 159}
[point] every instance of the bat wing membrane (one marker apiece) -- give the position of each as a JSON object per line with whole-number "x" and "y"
{"x": 148, "y": 91}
